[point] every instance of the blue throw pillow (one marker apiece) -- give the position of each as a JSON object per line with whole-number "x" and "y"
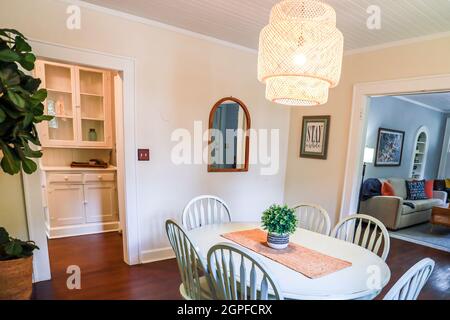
{"x": 416, "y": 190}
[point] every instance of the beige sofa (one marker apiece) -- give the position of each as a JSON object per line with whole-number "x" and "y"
{"x": 393, "y": 212}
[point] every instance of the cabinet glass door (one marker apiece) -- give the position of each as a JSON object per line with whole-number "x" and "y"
{"x": 92, "y": 106}
{"x": 60, "y": 103}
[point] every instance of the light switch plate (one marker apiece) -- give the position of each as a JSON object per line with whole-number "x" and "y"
{"x": 144, "y": 154}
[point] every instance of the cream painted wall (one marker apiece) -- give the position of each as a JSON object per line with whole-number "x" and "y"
{"x": 12, "y": 206}
{"x": 178, "y": 79}
{"x": 322, "y": 181}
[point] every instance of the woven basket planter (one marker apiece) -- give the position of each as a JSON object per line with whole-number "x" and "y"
{"x": 16, "y": 279}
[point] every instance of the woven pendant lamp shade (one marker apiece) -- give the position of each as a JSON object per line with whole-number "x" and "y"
{"x": 300, "y": 53}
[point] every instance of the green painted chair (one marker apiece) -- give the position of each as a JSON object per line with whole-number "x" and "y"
{"x": 236, "y": 274}
{"x": 196, "y": 283}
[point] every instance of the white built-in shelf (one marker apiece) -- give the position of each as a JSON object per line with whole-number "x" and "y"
{"x": 92, "y": 94}
{"x": 63, "y": 168}
{"x": 92, "y": 119}
{"x": 419, "y": 156}
{"x": 77, "y": 200}
{"x": 82, "y": 102}
{"x": 93, "y": 147}
{"x": 62, "y": 116}
{"x": 59, "y": 91}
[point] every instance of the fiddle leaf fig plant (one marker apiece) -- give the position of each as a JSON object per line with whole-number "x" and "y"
{"x": 11, "y": 249}
{"x": 21, "y": 104}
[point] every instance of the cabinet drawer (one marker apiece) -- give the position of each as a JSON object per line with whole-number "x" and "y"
{"x": 99, "y": 177}
{"x": 65, "y": 178}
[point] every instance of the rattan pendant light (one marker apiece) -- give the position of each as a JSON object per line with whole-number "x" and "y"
{"x": 300, "y": 53}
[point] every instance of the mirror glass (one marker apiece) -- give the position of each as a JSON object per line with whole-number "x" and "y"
{"x": 229, "y": 139}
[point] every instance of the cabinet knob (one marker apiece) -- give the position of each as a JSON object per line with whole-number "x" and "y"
{"x": 100, "y": 177}
{"x": 66, "y": 178}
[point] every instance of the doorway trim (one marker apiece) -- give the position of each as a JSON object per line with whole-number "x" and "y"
{"x": 445, "y": 151}
{"x": 126, "y": 155}
{"x": 358, "y": 126}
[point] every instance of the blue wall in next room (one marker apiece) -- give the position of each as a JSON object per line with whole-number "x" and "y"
{"x": 392, "y": 113}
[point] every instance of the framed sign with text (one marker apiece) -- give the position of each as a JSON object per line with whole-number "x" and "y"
{"x": 315, "y": 135}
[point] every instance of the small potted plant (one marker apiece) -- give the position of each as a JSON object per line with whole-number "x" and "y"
{"x": 16, "y": 267}
{"x": 280, "y": 222}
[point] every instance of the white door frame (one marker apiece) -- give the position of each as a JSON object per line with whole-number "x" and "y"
{"x": 358, "y": 126}
{"x": 445, "y": 151}
{"x": 126, "y": 155}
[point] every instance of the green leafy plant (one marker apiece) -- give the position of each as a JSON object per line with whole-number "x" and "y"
{"x": 11, "y": 249}
{"x": 21, "y": 104}
{"x": 280, "y": 220}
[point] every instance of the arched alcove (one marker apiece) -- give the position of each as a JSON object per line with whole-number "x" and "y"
{"x": 420, "y": 154}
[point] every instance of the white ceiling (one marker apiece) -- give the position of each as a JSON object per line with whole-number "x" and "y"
{"x": 240, "y": 21}
{"x": 438, "y": 101}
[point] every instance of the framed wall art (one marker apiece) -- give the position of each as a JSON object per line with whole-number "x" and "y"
{"x": 389, "y": 148}
{"x": 315, "y": 136}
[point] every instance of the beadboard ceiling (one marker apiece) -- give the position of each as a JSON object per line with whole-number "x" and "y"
{"x": 240, "y": 21}
{"x": 438, "y": 101}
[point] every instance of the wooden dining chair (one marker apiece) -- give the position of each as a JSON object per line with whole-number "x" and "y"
{"x": 365, "y": 231}
{"x": 237, "y": 274}
{"x": 314, "y": 218}
{"x": 412, "y": 282}
{"x": 196, "y": 284}
{"x": 205, "y": 210}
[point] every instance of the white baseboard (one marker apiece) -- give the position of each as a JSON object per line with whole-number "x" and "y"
{"x": 157, "y": 255}
{"x": 82, "y": 230}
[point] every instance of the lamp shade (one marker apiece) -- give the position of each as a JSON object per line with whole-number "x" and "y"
{"x": 300, "y": 53}
{"x": 369, "y": 154}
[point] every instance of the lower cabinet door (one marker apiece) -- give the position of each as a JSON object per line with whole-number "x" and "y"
{"x": 65, "y": 205}
{"x": 101, "y": 205}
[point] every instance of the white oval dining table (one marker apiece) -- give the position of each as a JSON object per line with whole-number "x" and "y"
{"x": 355, "y": 282}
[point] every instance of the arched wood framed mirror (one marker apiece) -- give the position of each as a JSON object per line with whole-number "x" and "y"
{"x": 229, "y": 137}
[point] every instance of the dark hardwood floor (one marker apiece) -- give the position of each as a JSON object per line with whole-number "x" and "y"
{"x": 403, "y": 255}
{"x": 106, "y": 276}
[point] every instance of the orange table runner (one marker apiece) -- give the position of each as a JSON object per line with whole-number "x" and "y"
{"x": 310, "y": 263}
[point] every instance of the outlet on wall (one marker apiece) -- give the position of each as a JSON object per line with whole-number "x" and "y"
{"x": 144, "y": 154}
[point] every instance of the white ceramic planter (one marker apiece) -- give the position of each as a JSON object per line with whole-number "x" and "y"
{"x": 278, "y": 242}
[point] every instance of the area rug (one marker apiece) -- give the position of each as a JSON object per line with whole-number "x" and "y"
{"x": 421, "y": 234}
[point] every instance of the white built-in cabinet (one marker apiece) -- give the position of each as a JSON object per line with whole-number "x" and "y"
{"x": 77, "y": 201}
{"x": 78, "y": 98}
{"x": 65, "y": 205}
{"x": 100, "y": 202}
{"x": 80, "y": 203}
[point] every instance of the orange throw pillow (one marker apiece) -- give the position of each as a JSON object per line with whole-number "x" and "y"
{"x": 387, "y": 190}
{"x": 429, "y": 186}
